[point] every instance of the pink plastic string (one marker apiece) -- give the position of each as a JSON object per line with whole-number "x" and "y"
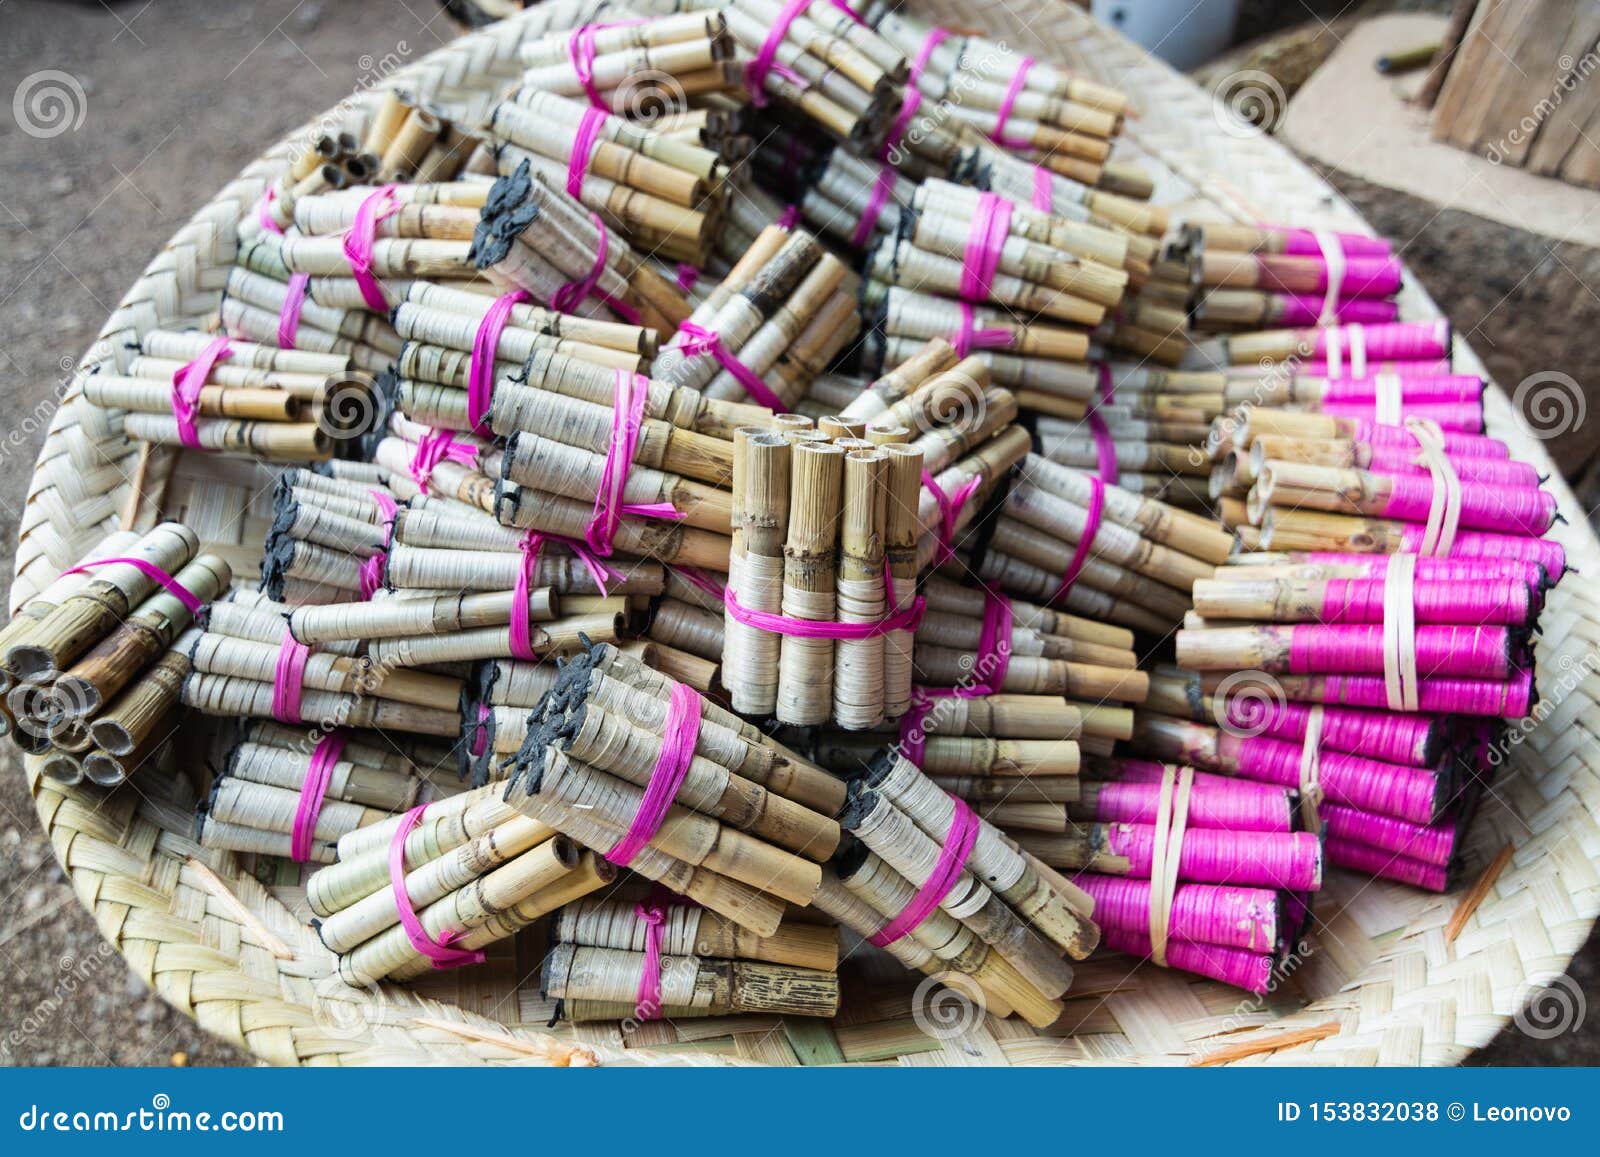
{"x": 188, "y": 381}
{"x": 521, "y": 634}
{"x": 584, "y": 144}
{"x": 581, "y": 52}
{"x": 289, "y": 678}
{"x": 968, "y": 337}
{"x": 991, "y": 224}
{"x": 627, "y": 415}
{"x": 149, "y": 570}
{"x": 994, "y": 656}
{"x": 681, "y": 734}
{"x": 935, "y": 37}
{"x": 950, "y": 508}
{"x": 905, "y": 620}
{"x": 438, "y": 952}
{"x": 480, "y": 373}
{"x": 882, "y": 190}
{"x": 902, "y": 122}
{"x": 313, "y": 790}
{"x": 358, "y": 244}
{"x": 855, "y": 16}
{"x": 789, "y": 218}
{"x": 263, "y": 211}
{"x": 687, "y": 276}
{"x": 1091, "y": 527}
{"x": 480, "y": 738}
{"x": 437, "y": 446}
{"x": 952, "y": 861}
{"x": 1013, "y": 90}
{"x": 647, "y": 1003}
{"x": 1044, "y": 192}
{"x": 566, "y": 298}
{"x": 697, "y": 577}
{"x": 696, "y": 339}
{"x": 766, "y": 59}
{"x": 371, "y": 573}
{"x": 1105, "y": 449}
{"x": 294, "y": 300}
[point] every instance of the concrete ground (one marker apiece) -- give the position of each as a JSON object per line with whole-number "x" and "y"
{"x": 162, "y": 104}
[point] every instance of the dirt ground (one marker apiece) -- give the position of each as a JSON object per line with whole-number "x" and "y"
{"x": 163, "y": 103}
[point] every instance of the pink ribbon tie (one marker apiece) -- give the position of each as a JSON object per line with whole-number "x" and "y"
{"x": 150, "y": 570}
{"x": 480, "y": 373}
{"x": 695, "y": 339}
{"x": 1013, "y": 90}
{"x": 678, "y": 740}
{"x": 952, "y": 861}
{"x": 294, "y": 300}
{"x": 980, "y": 261}
{"x": 1097, "y": 501}
{"x": 288, "y": 679}
{"x": 313, "y": 790}
{"x": 437, "y": 446}
{"x": 187, "y": 383}
{"x": 359, "y": 240}
{"x": 627, "y": 416}
{"x": 647, "y": 1006}
{"x": 438, "y": 951}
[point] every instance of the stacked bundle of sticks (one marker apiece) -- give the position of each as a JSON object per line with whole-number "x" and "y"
{"x": 852, "y": 199}
{"x": 1393, "y": 792}
{"x": 244, "y": 662}
{"x": 654, "y": 71}
{"x": 778, "y": 319}
{"x": 923, "y": 854}
{"x": 985, "y": 91}
{"x": 537, "y": 238}
{"x": 642, "y": 952}
{"x": 683, "y": 792}
{"x": 327, "y": 540}
{"x": 88, "y": 685}
{"x": 228, "y": 396}
{"x": 435, "y": 886}
{"x": 404, "y": 139}
{"x": 663, "y": 194}
{"x": 1064, "y": 537}
{"x": 1255, "y": 278}
{"x": 284, "y": 791}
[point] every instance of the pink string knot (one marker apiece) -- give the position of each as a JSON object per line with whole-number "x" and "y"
{"x": 950, "y": 508}
{"x": 188, "y": 381}
{"x": 313, "y": 790}
{"x": 438, "y": 951}
{"x": 766, "y": 59}
{"x": 358, "y": 243}
{"x": 630, "y": 392}
{"x": 437, "y": 446}
{"x": 980, "y": 261}
{"x": 150, "y": 570}
{"x": 294, "y": 300}
{"x": 968, "y": 337}
{"x": 695, "y": 339}
{"x": 648, "y": 1004}
{"x": 480, "y": 372}
{"x": 679, "y": 738}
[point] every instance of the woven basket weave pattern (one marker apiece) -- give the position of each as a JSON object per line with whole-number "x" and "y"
{"x": 1379, "y": 965}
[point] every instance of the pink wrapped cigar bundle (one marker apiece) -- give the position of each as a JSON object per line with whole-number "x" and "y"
{"x": 1284, "y": 528}
{"x": 1385, "y": 460}
{"x": 1315, "y": 564}
{"x": 1395, "y": 340}
{"x": 1413, "y": 367}
{"x": 1332, "y": 602}
{"x": 1300, "y": 274}
{"x": 1251, "y": 971}
{"x": 1297, "y": 309}
{"x": 1313, "y": 649}
{"x": 1415, "y": 794}
{"x": 1290, "y": 860}
{"x": 1441, "y": 387}
{"x": 1465, "y": 417}
{"x": 1429, "y": 843}
{"x": 1239, "y": 431}
{"x": 1377, "y": 862}
{"x": 1215, "y": 802}
{"x": 1249, "y": 919}
{"x": 1405, "y": 497}
{"x": 1508, "y": 699}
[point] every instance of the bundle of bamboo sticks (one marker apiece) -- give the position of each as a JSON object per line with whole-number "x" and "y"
{"x": 661, "y": 193}
{"x": 433, "y": 887}
{"x": 88, "y": 682}
{"x": 922, "y": 852}
{"x": 649, "y": 71}
{"x": 224, "y": 395}
{"x": 680, "y": 790}
{"x": 643, "y": 952}
{"x": 1064, "y": 537}
{"x": 778, "y": 319}
{"x": 284, "y": 791}
{"x": 328, "y": 538}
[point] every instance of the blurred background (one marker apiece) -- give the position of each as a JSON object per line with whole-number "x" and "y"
{"x": 125, "y": 117}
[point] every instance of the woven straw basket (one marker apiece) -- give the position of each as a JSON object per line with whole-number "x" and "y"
{"x": 1382, "y": 979}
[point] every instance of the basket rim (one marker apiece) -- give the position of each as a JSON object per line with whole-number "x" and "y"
{"x": 154, "y": 894}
